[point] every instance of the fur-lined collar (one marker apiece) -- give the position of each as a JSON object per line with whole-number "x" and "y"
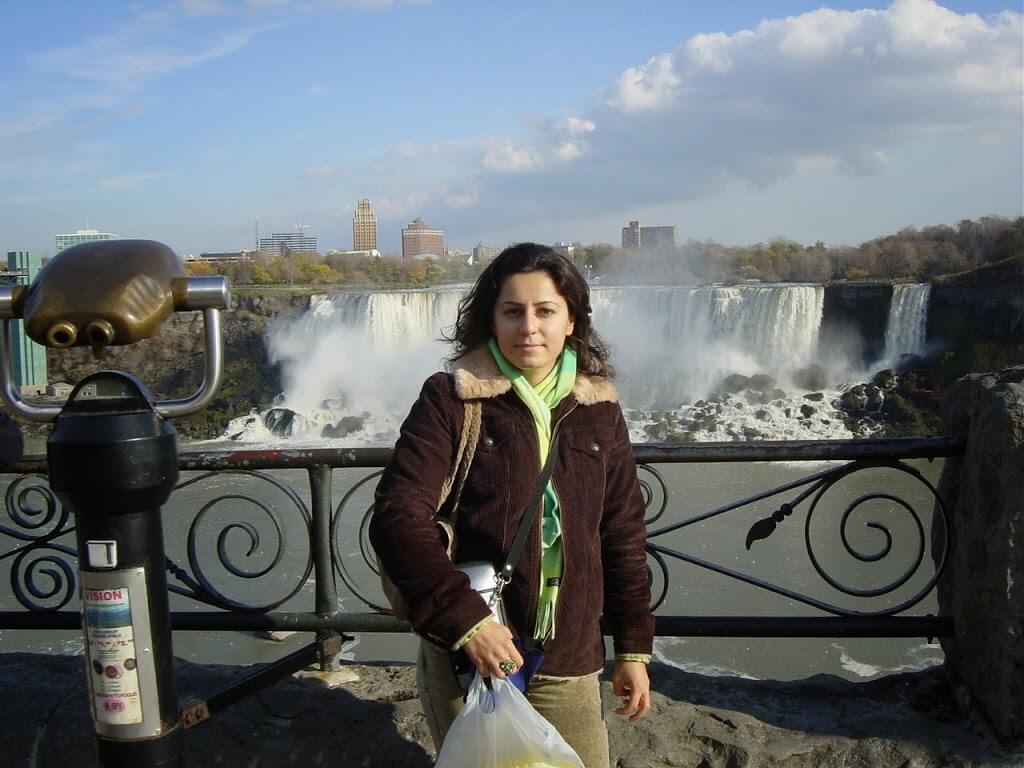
{"x": 477, "y": 375}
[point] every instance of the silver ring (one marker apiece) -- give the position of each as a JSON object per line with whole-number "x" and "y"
{"x": 507, "y": 666}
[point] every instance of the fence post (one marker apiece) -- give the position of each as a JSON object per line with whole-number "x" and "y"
{"x": 983, "y": 585}
{"x": 113, "y": 462}
{"x": 320, "y": 477}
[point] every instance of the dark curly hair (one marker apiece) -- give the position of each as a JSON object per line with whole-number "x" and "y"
{"x": 475, "y": 322}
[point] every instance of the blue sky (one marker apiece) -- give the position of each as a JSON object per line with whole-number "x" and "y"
{"x": 558, "y": 120}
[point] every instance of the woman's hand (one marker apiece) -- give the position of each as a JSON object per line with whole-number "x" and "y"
{"x": 630, "y": 681}
{"x": 489, "y": 647}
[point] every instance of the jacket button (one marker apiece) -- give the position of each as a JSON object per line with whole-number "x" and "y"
{"x": 595, "y": 447}
{"x": 488, "y": 441}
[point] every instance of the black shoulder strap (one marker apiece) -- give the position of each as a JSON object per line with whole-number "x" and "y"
{"x": 531, "y": 512}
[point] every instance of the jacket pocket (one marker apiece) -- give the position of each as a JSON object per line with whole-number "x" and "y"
{"x": 582, "y": 481}
{"x": 491, "y": 462}
{"x": 484, "y": 506}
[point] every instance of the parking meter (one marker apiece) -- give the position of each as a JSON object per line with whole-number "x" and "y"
{"x": 113, "y": 462}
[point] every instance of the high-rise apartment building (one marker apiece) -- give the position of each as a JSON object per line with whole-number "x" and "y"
{"x": 421, "y": 241}
{"x": 280, "y": 243}
{"x": 364, "y": 227}
{"x": 28, "y": 359}
{"x": 81, "y": 236}
{"x": 635, "y": 237}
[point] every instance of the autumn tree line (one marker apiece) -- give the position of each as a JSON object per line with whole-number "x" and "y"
{"x": 911, "y": 254}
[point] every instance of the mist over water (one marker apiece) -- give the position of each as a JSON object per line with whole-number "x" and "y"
{"x": 353, "y": 363}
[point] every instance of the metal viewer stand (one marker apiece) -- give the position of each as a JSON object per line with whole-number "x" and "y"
{"x": 113, "y": 461}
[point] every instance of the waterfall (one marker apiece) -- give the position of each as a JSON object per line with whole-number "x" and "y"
{"x": 358, "y": 359}
{"x": 361, "y": 355}
{"x": 671, "y": 344}
{"x": 908, "y": 316}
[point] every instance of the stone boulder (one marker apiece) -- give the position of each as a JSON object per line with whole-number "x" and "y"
{"x": 982, "y": 587}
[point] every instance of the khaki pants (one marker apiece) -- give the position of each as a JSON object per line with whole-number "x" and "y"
{"x": 571, "y": 704}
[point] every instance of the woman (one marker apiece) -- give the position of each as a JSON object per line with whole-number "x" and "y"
{"x": 523, "y": 347}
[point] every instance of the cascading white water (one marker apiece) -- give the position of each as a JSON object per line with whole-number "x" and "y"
{"x": 908, "y": 318}
{"x": 670, "y": 344}
{"x": 362, "y": 355}
{"x": 360, "y": 358}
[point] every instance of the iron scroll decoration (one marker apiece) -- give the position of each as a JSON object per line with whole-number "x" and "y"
{"x": 815, "y": 487}
{"x": 42, "y": 576}
{"x": 199, "y": 585}
{"x": 654, "y": 492}
{"x": 365, "y": 547}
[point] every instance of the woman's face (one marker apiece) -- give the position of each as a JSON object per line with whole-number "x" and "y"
{"x": 531, "y": 323}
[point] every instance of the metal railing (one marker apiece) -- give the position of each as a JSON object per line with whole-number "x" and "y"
{"x": 43, "y": 566}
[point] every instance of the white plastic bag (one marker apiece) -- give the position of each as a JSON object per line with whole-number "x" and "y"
{"x": 499, "y": 729}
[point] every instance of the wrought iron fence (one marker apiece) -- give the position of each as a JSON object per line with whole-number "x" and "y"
{"x": 251, "y": 556}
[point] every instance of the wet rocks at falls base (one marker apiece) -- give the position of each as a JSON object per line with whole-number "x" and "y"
{"x": 743, "y": 407}
{"x": 284, "y": 422}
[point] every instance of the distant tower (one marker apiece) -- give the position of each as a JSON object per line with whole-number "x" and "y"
{"x": 364, "y": 227}
{"x": 28, "y": 358}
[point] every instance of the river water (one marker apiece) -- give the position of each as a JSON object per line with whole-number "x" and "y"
{"x": 781, "y": 559}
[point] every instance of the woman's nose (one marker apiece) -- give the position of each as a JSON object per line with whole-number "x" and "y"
{"x": 529, "y": 323}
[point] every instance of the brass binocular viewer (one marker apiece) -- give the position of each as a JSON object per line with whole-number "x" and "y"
{"x": 111, "y": 293}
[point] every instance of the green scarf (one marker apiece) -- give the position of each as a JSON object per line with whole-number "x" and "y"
{"x": 540, "y": 400}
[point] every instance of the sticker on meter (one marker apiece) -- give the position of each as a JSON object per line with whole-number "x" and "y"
{"x": 113, "y": 664}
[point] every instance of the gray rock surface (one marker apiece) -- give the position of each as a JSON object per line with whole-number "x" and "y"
{"x": 906, "y": 721}
{"x": 983, "y": 586}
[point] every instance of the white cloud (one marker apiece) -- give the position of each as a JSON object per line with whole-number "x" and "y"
{"x": 505, "y": 157}
{"x": 573, "y": 144}
{"x": 922, "y": 27}
{"x": 647, "y": 87}
{"x": 711, "y": 51}
{"x": 123, "y": 62}
{"x": 830, "y": 93}
{"x": 817, "y": 33}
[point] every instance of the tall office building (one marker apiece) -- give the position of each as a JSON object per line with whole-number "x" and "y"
{"x": 364, "y": 227}
{"x": 81, "y": 236}
{"x": 28, "y": 359}
{"x": 280, "y": 243}
{"x": 631, "y": 235}
{"x": 421, "y": 241}
{"x": 485, "y": 253}
{"x": 635, "y": 237}
{"x": 653, "y": 238}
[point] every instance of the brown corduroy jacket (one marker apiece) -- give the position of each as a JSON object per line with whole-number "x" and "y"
{"x": 602, "y": 515}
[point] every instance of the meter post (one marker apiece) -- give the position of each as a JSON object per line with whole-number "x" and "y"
{"x": 113, "y": 461}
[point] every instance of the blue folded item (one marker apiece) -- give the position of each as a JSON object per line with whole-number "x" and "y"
{"x": 533, "y": 657}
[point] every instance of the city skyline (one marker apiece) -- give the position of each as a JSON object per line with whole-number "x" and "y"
{"x": 733, "y": 122}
